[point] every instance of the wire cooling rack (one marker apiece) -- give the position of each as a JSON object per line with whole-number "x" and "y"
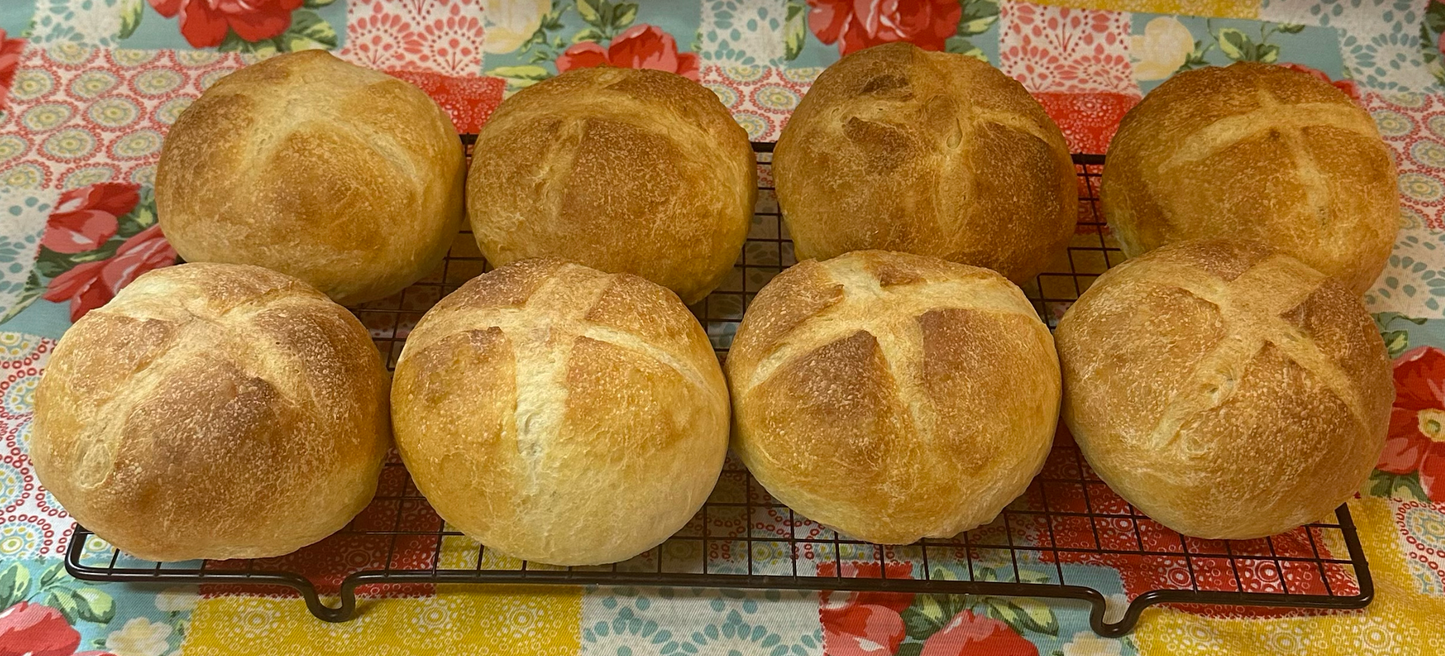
{"x": 1069, "y": 536}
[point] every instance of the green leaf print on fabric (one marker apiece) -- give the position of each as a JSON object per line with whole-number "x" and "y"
{"x": 795, "y": 29}
{"x": 978, "y": 16}
{"x": 521, "y": 76}
{"x": 26, "y": 298}
{"x": 1397, "y": 486}
{"x": 1238, "y": 46}
{"x": 130, "y": 15}
{"x": 605, "y": 18}
{"x": 14, "y": 585}
{"x": 308, "y": 31}
{"x": 94, "y": 605}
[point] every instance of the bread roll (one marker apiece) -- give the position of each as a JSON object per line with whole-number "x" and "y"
{"x": 1257, "y": 152}
{"x": 1226, "y": 390}
{"x": 624, "y": 170}
{"x": 561, "y": 415}
{"x": 892, "y": 396}
{"x": 928, "y": 153}
{"x": 213, "y": 411}
{"x": 344, "y": 177}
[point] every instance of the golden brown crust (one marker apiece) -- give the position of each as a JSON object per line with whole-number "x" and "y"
{"x": 1224, "y": 390}
{"x": 931, "y": 387}
{"x": 560, "y": 414}
{"x": 627, "y": 171}
{"x": 345, "y": 177}
{"x": 936, "y": 154}
{"x": 1258, "y": 152}
{"x": 164, "y": 415}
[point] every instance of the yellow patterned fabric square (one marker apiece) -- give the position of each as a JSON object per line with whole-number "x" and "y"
{"x": 1402, "y": 620}
{"x": 1209, "y": 8}
{"x": 504, "y": 621}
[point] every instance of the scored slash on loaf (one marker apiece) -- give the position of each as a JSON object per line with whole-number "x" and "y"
{"x": 560, "y": 414}
{"x": 345, "y": 177}
{"x": 930, "y": 387}
{"x": 1225, "y": 389}
{"x": 213, "y": 411}
{"x": 624, "y": 171}
{"x": 930, "y": 153}
{"x": 1255, "y": 152}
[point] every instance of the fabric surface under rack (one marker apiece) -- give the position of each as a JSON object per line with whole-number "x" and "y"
{"x": 88, "y": 89}
{"x": 743, "y": 538}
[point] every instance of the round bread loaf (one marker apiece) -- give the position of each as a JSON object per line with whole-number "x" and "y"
{"x": 344, "y": 177}
{"x": 1227, "y": 390}
{"x": 930, "y": 153}
{"x": 892, "y": 396}
{"x": 1256, "y": 152}
{"x": 623, "y": 170}
{"x": 561, "y": 415}
{"x": 213, "y": 411}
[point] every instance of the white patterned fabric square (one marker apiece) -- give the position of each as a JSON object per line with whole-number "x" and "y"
{"x": 22, "y": 223}
{"x": 743, "y": 32}
{"x": 89, "y": 22}
{"x": 1379, "y": 39}
{"x": 1303, "y": 12}
{"x": 699, "y": 621}
{"x": 1413, "y": 126}
{"x": 1064, "y": 50}
{"x": 437, "y": 36}
{"x": 1411, "y": 283}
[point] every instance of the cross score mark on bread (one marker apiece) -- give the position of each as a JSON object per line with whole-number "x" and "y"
{"x": 889, "y": 314}
{"x": 560, "y": 414}
{"x": 1257, "y": 152}
{"x": 345, "y": 177}
{"x": 1225, "y": 389}
{"x": 543, "y": 331}
{"x": 931, "y": 387}
{"x": 623, "y": 170}
{"x": 176, "y": 420}
{"x": 1252, "y": 309}
{"x": 930, "y": 153}
{"x": 1286, "y": 121}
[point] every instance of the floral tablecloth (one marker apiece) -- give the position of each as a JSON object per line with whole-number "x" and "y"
{"x": 90, "y": 86}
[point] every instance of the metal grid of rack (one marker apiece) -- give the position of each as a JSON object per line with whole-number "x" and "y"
{"x": 1051, "y": 542}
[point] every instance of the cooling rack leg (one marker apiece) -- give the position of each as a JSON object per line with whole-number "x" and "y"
{"x": 1126, "y": 623}
{"x": 341, "y": 613}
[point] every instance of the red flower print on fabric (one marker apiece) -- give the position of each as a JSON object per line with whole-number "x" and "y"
{"x": 205, "y": 23}
{"x": 93, "y": 284}
{"x": 858, "y": 24}
{"x": 641, "y": 46}
{"x": 85, "y": 218}
{"x": 863, "y": 623}
{"x": 1416, "y": 439}
{"x": 1348, "y": 86}
{"x": 28, "y": 629}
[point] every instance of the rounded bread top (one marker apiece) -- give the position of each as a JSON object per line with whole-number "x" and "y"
{"x": 931, "y": 388}
{"x": 938, "y": 154}
{"x": 165, "y": 414}
{"x": 1259, "y": 152}
{"x": 560, "y": 414}
{"x": 345, "y": 177}
{"x": 1226, "y": 389}
{"x": 622, "y": 170}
